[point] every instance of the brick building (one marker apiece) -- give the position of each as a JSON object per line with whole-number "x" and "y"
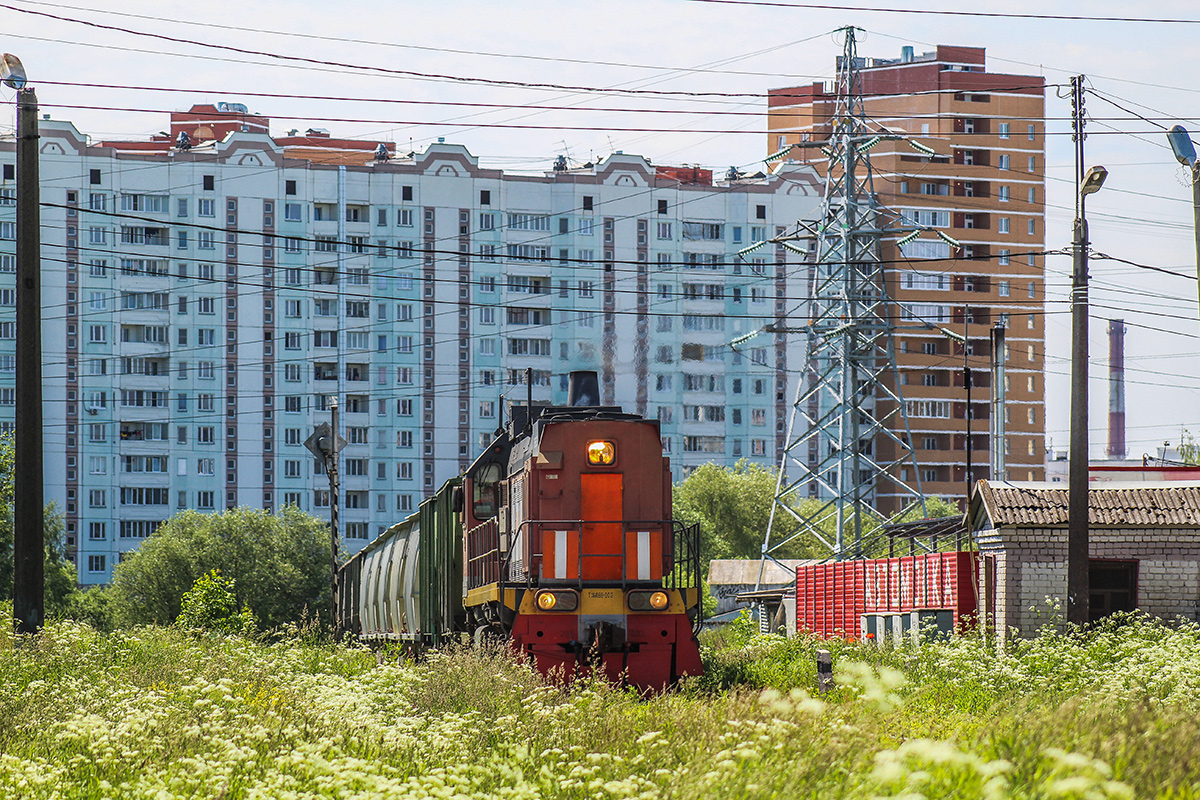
{"x": 985, "y": 188}
{"x": 1144, "y": 543}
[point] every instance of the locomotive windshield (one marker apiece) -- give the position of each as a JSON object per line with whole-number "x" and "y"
{"x": 486, "y": 490}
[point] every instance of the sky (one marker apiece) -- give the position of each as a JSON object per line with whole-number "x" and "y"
{"x": 363, "y": 54}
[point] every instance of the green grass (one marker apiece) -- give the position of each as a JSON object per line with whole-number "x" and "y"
{"x": 156, "y": 713}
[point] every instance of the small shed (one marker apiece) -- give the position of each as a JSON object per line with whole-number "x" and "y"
{"x": 1144, "y": 546}
{"x": 738, "y": 583}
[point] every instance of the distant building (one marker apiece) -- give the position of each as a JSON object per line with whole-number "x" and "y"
{"x": 205, "y": 297}
{"x": 985, "y": 188}
{"x": 1165, "y": 466}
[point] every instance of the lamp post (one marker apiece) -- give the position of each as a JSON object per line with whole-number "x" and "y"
{"x": 28, "y": 542}
{"x": 1185, "y": 153}
{"x": 1078, "y": 588}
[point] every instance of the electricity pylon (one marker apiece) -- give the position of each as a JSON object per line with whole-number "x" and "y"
{"x": 849, "y": 401}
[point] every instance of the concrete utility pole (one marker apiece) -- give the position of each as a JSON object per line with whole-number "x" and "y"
{"x": 334, "y": 489}
{"x": 28, "y": 543}
{"x": 1185, "y": 152}
{"x": 999, "y": 467}
{"x": 1078, "y": 583}
{"x": 967, "y": 390}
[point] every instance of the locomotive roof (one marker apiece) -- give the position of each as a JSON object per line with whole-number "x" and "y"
{"x": 507, "y": 439}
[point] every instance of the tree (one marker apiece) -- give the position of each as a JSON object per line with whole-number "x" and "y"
{"x": 733, "y": 507}
{"x": 278, "y": 564}
{"x": 60, "y": 588}
{"x": 1189, "y": 450}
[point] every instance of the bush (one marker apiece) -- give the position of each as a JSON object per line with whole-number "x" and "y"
{"x": 279, "y": 564}
{"x": 211, "y": 605}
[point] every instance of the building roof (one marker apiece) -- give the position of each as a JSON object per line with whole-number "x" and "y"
{"x": 1141, "y": 505}
{"x": 745, "y": 571}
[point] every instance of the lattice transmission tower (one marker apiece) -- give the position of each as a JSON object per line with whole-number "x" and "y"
{"x": 848, "y": 435}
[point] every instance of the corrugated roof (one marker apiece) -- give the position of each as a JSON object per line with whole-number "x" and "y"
{"x": 1144, "y": 506}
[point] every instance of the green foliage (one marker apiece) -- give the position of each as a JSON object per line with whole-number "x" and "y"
{"x": 211, "y": 605}
{"x": 60, "y": 587}
{"x": 1189, "y": 450}
{"x": 279, "y": 565}
{"x": 733, "y": 507}
{"x": 154, "y": 712}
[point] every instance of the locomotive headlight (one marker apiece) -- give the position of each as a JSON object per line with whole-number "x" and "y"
{"x": 648, "y": 601}
{"x": 601, "y": 453}
{"x": 548, "y": 600}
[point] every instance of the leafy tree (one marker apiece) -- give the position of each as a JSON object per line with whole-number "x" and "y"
{"x": 211, "y": 605}
{"x": 733, "y": 507}
{"x": 60, "y": 590}
{"x": 278, "y": 565}
{"x": 1189, "y": 449}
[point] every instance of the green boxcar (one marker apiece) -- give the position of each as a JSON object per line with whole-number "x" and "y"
{"x": 407, "y": 584}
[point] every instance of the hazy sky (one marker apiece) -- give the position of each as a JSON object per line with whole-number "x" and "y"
{"x": 1143, "y": 214}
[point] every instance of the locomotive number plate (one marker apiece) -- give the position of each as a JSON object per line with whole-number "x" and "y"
{"x": 601, "y": 594}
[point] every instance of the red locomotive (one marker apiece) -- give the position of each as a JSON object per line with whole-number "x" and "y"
{"x": 558, "y": 540}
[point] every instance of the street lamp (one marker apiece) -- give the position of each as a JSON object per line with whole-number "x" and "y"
{"x": 1078, "y": 588}
{"x": 1185, "y": 153}
{"x": 28, "y": 544}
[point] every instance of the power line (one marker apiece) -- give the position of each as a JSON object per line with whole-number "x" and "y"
{"x": 431, "y": 49}
{"x": 371, "y": 68}
{"x": 944, "y": 13}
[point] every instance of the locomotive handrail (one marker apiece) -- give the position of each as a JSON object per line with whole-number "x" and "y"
{"x": 488, "y": 562}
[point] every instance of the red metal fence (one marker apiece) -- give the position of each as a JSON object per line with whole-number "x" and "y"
{"x": 832, "y": 598}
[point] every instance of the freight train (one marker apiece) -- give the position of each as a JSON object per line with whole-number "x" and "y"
{"x": 558, "y": 540}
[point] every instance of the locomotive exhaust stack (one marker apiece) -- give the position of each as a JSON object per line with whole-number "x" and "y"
{"x": 583, "y": 389}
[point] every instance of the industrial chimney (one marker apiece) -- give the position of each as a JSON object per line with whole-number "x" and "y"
{"x": 1116, "y": 389}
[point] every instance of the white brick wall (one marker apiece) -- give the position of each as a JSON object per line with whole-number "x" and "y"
{"x": 1031, "y": 571}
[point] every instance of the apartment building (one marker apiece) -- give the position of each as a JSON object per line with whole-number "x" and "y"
{"x": 985, "y": 188}
{"x": 204, "y": 303}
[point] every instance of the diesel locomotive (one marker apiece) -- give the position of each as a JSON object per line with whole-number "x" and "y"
{"x": 558, "y": 540}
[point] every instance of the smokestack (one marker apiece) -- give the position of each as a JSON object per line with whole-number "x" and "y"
{"x": 583, "y": 389}
{"x": 1116, "y": 389}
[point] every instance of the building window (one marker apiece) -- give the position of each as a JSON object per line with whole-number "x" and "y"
{"x": 96, "y": 563}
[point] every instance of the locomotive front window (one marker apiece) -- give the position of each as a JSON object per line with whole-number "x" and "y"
{"x": 486, "y": 492}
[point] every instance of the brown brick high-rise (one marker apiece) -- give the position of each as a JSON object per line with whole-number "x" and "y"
{"x": 985, "y": 188}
